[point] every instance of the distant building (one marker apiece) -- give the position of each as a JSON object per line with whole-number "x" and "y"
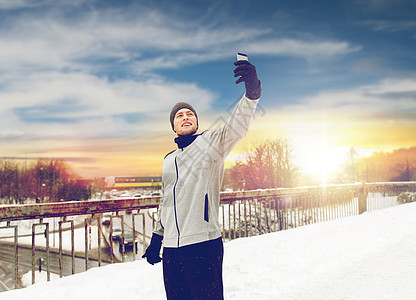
{"x": 127, "y": 183}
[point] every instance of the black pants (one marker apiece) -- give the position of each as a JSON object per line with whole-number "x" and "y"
{"x": 194, "y": 271}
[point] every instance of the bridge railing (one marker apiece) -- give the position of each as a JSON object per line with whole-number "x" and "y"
{"x": 92, "y": 233}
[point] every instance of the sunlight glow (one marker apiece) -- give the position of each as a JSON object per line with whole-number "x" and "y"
{"x": 323, "y": 161}
{"x": 316, "y": 155}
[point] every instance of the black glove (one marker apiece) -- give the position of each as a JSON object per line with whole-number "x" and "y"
{"x": 247, "y": 73}
{"x": 152, "y": 252}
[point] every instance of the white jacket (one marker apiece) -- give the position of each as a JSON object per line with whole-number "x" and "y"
{"x": 192, "y": 178}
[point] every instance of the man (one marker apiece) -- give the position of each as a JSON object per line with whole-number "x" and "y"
{"x": 191, "y": 180}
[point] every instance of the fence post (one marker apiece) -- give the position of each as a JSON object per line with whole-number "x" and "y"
{"x": 362, "y": 199}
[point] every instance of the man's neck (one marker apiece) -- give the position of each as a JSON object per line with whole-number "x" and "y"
{"x": 185, "y": 140}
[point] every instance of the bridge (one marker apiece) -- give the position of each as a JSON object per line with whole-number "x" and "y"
{"x": 85, "y": 234}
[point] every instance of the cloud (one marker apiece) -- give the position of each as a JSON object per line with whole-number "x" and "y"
{"x": 52, "y": 104}
{"x": 20, "y": 4}
{"x": 16, "y": 4}
{"x": 390, "y": 101}
{"x": 310, "y": 50}
{"x": 138, "y": 41}
{"x": 386, "y": 6}
{"x": 57, "y": 68}
{"x": 390, "y": 25}
{"x": 389, "y": 98}
{"x": 109, "y": 37}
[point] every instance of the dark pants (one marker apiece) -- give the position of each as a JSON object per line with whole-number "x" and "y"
{"x": 194, "y": 271}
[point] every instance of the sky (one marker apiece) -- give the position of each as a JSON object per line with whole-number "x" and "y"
{"x": 93, "y": 82}
{"x": 369, "y": 256}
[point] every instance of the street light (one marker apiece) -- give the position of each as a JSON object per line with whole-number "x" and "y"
{"x": 43, "y": 192}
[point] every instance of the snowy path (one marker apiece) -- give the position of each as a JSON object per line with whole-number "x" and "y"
{"x": 370, "y": 256}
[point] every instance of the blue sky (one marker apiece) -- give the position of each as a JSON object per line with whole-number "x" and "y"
{"x": 93, "y": 82}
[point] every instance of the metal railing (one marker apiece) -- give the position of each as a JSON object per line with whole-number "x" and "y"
{"x": 244, "y": 213}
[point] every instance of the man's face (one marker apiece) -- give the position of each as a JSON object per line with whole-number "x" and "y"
{"x": 185, "y": 122}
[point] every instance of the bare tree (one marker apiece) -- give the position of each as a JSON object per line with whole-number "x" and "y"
{"x": 45, "y": 181}
{"x": 267, "y": 165}
{"x": 404, "y": 171}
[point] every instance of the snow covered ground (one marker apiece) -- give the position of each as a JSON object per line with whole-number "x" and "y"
{"x": 371, "y": 256}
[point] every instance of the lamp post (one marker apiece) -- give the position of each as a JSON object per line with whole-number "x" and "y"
{"x": 43, "y": 192}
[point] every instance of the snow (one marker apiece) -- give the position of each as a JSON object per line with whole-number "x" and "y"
{"x": 39, "y": 277}
{"x": 370, "y": 256}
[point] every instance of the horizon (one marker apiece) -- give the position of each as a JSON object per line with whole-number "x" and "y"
{"x": 328, "y": 175}
{"x": 92, "y": 82}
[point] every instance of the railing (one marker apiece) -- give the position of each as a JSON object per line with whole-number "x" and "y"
{"x": 95, "y": 228}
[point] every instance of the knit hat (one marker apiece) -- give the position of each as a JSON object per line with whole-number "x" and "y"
{"x": 178, "y": 106}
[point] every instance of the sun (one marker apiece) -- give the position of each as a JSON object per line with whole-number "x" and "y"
{"x": 318, "y": 157}
{"x": 323, "y": 161}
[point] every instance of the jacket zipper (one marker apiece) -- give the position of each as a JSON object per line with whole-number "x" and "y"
{"x": 174, "y": 200}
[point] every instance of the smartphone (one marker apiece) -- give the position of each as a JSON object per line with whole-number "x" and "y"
{"x": 242, "y": 56}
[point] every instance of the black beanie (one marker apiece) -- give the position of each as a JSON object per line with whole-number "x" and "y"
{"x": 178, "y": 106}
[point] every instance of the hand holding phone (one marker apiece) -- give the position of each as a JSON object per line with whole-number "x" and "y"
{"x": 246, "y": 72}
